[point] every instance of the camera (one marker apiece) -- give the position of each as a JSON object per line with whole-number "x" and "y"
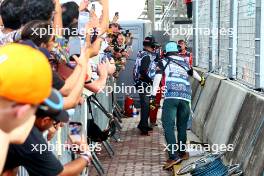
{"x": 126, "y": 33}
{"x": 179, "y": 48}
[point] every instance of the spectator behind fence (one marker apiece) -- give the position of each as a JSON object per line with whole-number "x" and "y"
{"x": 23, "y": 87}
{"x": 73, "y": 86}
{"x": 70, "y": 15}
{"x": 10, "y": 11}
{"x": 33, "y": 10}
{"x": 44, "y": 162}
{"x": 37, "y": 10}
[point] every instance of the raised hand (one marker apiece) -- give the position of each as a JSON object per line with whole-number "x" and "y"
{"x": 84, "y": 5}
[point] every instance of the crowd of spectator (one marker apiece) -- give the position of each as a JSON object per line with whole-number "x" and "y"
{"x": 51, "y": 53}
{"x": 43, "y": 74}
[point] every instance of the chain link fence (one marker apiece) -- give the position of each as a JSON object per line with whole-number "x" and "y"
{"x": 246, "y": 41}
{"x": 223, "y": 49}
{"x": 203, "y": 36}
{"x": 230, "y": 47}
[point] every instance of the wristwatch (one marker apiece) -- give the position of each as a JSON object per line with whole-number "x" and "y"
{"x": 87, "y": 156}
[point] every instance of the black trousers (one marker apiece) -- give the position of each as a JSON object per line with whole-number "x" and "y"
{"x": 189, "y": 9}
{"x": 144, "y": 115}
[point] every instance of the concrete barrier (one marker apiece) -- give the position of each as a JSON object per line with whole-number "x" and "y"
{"x": 247, "y": 136}
{"x": 205, "y": 97}
{"x": 227, "y": 113}
{"x": 196, "y": 88}
{"x": 195, "y": 85}
{"x": 224, "y": 113}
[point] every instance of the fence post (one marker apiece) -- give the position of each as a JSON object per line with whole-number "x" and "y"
{"x": 196, "y": 32}
{"x": 151, "y": 13}
{"x": 213, "y": 36}
{"x": 233, "y": 39}
{"x": 259, "y": 45}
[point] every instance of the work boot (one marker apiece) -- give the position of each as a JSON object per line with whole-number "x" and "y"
{"x": 170, "y": 163}
{"x": 152, "y": 125}
{"x": 143, "y": 131}
{"x": 184, "y": 155}
{"x": 149, "y": 129}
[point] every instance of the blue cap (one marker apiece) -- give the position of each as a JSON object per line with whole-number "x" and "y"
{"x": 171, "y": 47}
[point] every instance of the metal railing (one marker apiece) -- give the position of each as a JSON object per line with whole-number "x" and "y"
{"x": 81, "y": 115}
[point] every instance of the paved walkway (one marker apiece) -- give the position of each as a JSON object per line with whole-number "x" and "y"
{"x": 136, "y": 155}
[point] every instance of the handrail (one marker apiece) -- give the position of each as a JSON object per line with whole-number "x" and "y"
{"x": 168, "y": 9}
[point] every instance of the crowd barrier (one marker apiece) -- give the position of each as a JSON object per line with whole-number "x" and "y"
{"x": 229, "y": 113}
{"x": 81, "y": 114}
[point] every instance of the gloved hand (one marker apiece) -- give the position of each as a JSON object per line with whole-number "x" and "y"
{"x": 152, "y": 103}
{"x": 202, "y": 82}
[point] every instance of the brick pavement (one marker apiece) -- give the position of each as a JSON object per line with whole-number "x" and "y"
{"x": 136, "y": 155}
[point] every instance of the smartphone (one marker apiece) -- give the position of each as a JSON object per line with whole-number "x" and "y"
{"x": 74, "y": 46}
{"x": 83, "y": 19}
{"x": 75, "y": 131}
{"x": 93, "y": 7}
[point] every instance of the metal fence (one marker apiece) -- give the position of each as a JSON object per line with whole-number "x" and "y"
{"x": 235, "y": 43}
{"x": 80, "y": 115}
{"x": 203, "y": 38}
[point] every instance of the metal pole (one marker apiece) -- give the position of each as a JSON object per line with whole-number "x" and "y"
{"x": 259, "y": 55}
{"x": 233, "y": 39}
{"x": 196, "y": 33}
{"x": 213, "y": 36}
{"x": 151, "y": 13}
{"x": 262, "y": 47}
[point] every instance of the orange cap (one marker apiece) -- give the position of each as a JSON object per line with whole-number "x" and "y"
{"x": 25, "y": 74}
